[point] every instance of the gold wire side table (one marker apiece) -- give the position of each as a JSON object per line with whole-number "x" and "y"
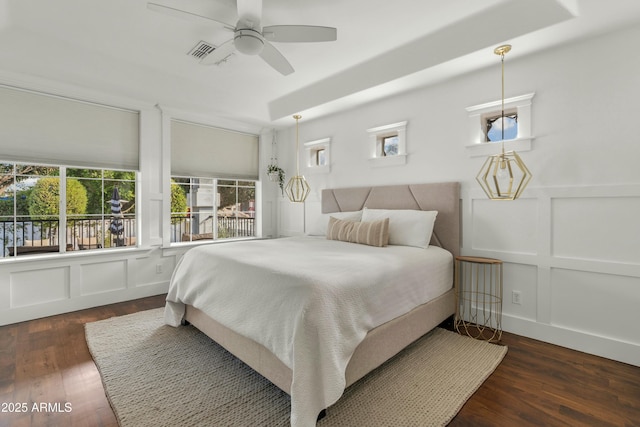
{"x": 478, "y": 289}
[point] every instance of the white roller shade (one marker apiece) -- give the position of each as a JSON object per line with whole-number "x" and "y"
{"x": 198, "y": 150}
{"x": 39, "y": 128}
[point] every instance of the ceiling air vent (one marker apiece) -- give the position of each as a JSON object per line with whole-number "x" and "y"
{"x": 201, "y": 50}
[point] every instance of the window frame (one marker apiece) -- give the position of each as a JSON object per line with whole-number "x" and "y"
{"x": 377, "y": 138}
{"x": 202, "y": 238}
{"x": 490, "y": 119}
{"x": 383, "y": 145}
{"x": 477, "y": 115}
{"x": 67, "y": 241}
{"x": 312, "y": 149}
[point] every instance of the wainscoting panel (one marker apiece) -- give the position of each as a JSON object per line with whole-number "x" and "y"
{"x": 148, "y": 270}
{"x": 601, "y": 304}
{"x": 574, "y": 255}
{"x": 598, "y": 228}
{"x": 104, "y": 277}
{"x": 505, "y": 227}
{"x": 520, "y": 278}
{"x": 39, "y": 286}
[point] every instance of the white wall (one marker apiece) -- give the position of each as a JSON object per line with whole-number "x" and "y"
{"x": 571, "y": 244}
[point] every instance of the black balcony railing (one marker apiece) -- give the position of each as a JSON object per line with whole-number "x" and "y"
{"x": 188, "y": 228}
{"x": 43, "y": 236}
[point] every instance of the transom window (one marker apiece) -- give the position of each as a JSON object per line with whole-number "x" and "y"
{"x": 485, "y": 125}
{"x": 494, "y": 124}
{"x": 34, "y": 221}
{"x": 320, "y": 157}
{"x": 211, "y": 209}
{"x": 389, "y": 145}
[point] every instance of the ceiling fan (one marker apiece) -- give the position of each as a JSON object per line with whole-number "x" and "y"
{"x": 251, "y": 38}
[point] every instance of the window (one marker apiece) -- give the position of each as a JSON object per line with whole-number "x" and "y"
{"x": 109, "y": 219}
{"x": 237, "y": 210}
{"x": 388, "y": 144}
{"x": 214, "y": 175}
{"x": 318, "y": 155}
{"x": 211, "y": 209}
{"x": 32, "y": 215}
{"x": 494, "y": 125}
{"x": 485, "y": 125}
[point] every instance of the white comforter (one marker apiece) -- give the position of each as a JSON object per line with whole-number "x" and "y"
{"x": 310, "y": 301}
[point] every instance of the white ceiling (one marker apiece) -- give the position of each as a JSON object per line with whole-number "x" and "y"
{"x": 120, "y": 47}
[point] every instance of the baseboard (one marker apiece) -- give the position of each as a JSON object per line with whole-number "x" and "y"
{"x": 607, "y": 347}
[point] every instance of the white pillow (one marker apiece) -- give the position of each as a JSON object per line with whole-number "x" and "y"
{"x": 406, "y": 227}
{"x": 320, "y": 227}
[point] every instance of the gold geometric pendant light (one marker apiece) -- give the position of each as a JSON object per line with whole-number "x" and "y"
{"x": 297, "y": 188}
{"x": 503, "y": 176}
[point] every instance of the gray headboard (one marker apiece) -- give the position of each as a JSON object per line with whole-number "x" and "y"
{"x": 443, "y": 197}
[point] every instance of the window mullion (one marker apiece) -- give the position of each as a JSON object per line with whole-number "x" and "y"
{"x": 62, "y": 218}
{"x": 15, "y": 210}
{"x": 216, "y": 200}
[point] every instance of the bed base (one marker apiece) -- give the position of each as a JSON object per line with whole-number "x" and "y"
{"x": 379, "y": 345}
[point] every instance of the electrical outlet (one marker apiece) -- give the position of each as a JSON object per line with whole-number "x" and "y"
{"x": 516, "y": 297}
{"x": 158, "y": 268}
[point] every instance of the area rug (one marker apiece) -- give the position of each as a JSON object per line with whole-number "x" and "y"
{"x": 157, "y": 375}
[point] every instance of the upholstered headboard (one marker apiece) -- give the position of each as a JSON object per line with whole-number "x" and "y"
{"x": 443, "y": 197}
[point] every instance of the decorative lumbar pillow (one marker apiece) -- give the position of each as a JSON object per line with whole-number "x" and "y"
{"x": 407, "y": 227}
{"x": 374, "y": 233}
{"x": 320, "y": 226}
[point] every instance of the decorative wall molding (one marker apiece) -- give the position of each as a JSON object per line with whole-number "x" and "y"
{"x": 31, "y": 289}
{"x": 567, "y": 267}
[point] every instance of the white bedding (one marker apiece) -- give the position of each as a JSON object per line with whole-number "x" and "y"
{"x": 309, "y": 300}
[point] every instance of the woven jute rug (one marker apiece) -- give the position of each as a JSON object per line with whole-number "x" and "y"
{"x": 157, "y": 375}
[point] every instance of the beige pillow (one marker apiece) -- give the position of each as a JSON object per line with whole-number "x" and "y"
{"x": 374, "y": 233}
{"x": 407, "y": 227}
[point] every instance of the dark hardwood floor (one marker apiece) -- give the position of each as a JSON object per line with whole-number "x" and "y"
{"x": 537, "y": 384}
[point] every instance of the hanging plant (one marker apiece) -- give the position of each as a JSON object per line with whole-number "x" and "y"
{"x": 276, "y": 174}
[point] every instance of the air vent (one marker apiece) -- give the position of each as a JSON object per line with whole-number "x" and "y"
{"x": 201, "y": 50}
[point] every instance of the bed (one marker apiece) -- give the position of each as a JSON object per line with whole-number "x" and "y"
{"x": 313, "y": 335}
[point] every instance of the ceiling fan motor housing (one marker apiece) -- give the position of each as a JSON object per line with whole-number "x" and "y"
{"x": 248, "y": 38}
{"x": 249, "y": 42}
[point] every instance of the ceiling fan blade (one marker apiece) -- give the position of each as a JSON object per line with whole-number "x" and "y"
{"x": 183, "y": 14}
{"x": 273, "y": 57}
{"x": 299, "y": 33}
{"x": 250, "y": 10}
{"x": 220, "y": 53}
